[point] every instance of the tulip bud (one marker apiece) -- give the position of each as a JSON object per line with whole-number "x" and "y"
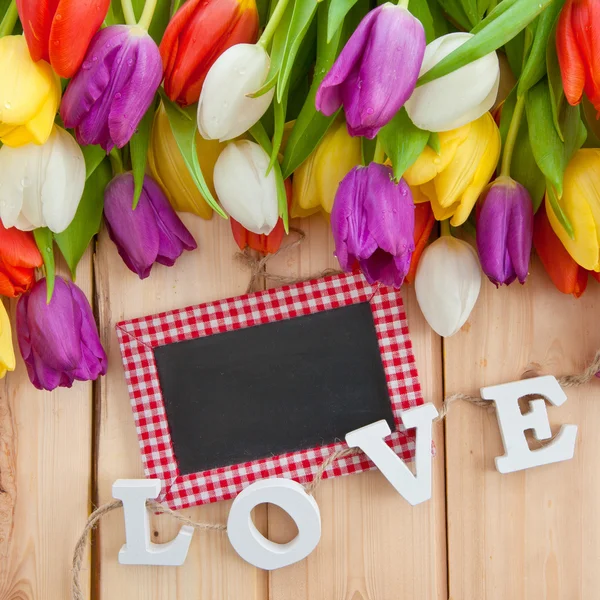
{"x": 199, "y": 32}
{"x": 447, "y": 284}
{"x": 59, "y": 341}
{"x": 29, "y": 95}
{"x": 376, "y": 71}
{"x": 317, "y": 179}
{"x": 505, "y": 231}
{"x": 424, "y": 222}
{"x": 373, "y": 221}
{"x": 114, "y": 88}
{"x": 7, "y": 354}
{"x": 59, "y": 32}
{"x": 225, "y": 108}
{"x": 168, "y": 168}
{"x": 41, "y": 186}
{"x": 459, "y": 97}
{"x": 152, "y": 233}
{"x": 244, "y": 189}
{"x": 19, "y": 256}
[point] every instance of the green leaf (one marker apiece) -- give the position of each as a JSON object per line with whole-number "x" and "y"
{"x": 558, "y": 211}
{"x": 575, "y": 131}
{"x": 160, "y": 20}
{"x": 515, "y": 50}
{"x": 183, "y": 125}
{"x": 114, "y": 16}
{"x": 263, "y": 12}
{"x": 557, "y": 94}
{"x": 139, "y": 151}
{"x": 440, "y": 24}
{"x": 403, "y": 142}
{"x": 93, "y": 156}
{"x": 498, "y": 11}
{"x": 420, "y": 9}
{"x": 44, "y": 241}
{"x": 457, "y": 13}
{"x": 302, "y": 16}
{"x": 338, "y": 9}
{"x": 74, "y": 240}
{"x": 498, "y": 30}
{"x": 535, "y": 67}
{"x": 367, "y": 149}
{"x": 280, "y": 110}
{"x": 434, "y": 142}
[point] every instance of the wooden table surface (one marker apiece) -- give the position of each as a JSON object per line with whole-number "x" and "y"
{"x": 533, "y": 535}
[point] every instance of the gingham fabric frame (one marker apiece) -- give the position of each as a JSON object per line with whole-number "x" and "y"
{"x": 139, "y": 337}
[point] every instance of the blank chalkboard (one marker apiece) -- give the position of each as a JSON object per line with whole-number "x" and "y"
{"x": 270, "y": 389}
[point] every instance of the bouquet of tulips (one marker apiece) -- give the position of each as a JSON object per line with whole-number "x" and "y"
{"x": 383, "y": 117}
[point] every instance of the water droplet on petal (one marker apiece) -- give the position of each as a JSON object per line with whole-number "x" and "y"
{"x": 370, "y": 111}
{"x": 56, "y": 42}
{"x": 25, "y": 182}
{"x": 58, "y": 16}
{"x": 7, "y": 105}
{"x": 242, "y": 71}
{"x": 437, "y": 161}
{"x": 86, "y": 65}
{"x": 117, "y": 95}
{"x": 130, "y": 61}
{"x": 94, "y": 58}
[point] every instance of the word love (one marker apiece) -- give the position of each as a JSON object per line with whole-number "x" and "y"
{"x": 259, "y": 551}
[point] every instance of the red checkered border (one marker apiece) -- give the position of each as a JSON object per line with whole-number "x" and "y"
{"x": 139, "y": 337}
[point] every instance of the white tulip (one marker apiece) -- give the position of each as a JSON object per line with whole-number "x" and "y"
{"x": 41, "y": 186}
{"x": 447, "y": 284}
{"x": 225, "y": 108}
{"x": 459, "y": 97}
{"x": 244, "y": 189}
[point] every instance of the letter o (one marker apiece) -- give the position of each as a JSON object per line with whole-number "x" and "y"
{"x": 254, "y": 547}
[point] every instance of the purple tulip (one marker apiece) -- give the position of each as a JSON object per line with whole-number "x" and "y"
{"x": 373, "y": 222}
{"x": 505, "y": 231}
{"x": 59, "y": 341}
{"x": 376, "y": 71}
{"x": 114, "y": 87}
{"x": 151, "y": 233}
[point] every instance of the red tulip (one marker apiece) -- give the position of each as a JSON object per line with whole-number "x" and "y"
{"x": 265, "y": 244}
{"x": 424, "y": 222}
{"x": 60, "y": 31}
{"x": 197, "y": 35}
{"x": 565, "y": 273}
{"x": 18, "y": 258}
{"x": 577, "y": 39}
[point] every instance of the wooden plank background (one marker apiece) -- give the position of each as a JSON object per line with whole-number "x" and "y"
{"x": 533, "y": 535}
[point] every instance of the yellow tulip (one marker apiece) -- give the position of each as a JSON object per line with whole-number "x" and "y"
{"x": 453, "y": 180}
{"x": 7, "y": 354}
{"x": 317, "y": 179}
{"x": 581, "y": 204}
{"x": 29, "y": 94}
{"x": 168, "y": 167}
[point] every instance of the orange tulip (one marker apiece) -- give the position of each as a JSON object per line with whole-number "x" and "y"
{"x": 60, "y": 32}
{"x": 199, "y": 32}
{"x": 18, "y": 257}
{"x": 565, "y": 273}
{"x": 424, "y": 222}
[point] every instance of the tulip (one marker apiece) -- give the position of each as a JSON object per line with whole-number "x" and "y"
{"x": 41, "y": 186}
{"x": 317, "y": 179}
{"x": 59, "y": 341}
{"x": 424, "y": 222}
{"x": 19, "y": 256}
{"x": 244, "y": 189}
{"x": 376, "y": 71}
{"x": 59, "y": 32}
{"x": 567, "y": 276}
{"x": 29, "y": 95}
{"x": 225, "y": 108}
{"x": 7, "y": 354}
{"x": 454, "y": 180}
{"x": 580, "y": 203}
{"x": 447, "y": 284}
{"x": 168, "y": 167}
{"x": 265, "y": 244}
{"x": 373, "y": 222}
{"x": 197, "y": 35}
{"x": 459, "y": 97}
{"x": 152, "y": 233}
{"x": 577, "y": 36}
{"x": 505, "y": 231}
{"x": 114, "y": 88}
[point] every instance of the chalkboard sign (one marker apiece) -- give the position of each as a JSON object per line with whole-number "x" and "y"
{"x": 267, "y": 384}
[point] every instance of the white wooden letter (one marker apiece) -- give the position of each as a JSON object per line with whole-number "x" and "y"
{"x": 138, "y": 549}
{"x": 415, "y": 489}
{"x": 513, "y": 424}
{"x": 254, "y": 547}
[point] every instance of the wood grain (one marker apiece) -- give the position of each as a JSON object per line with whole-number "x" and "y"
{"x": 45, "y": 477}
{"x": 374, "y": 545}
{"x": 533, "y": 534}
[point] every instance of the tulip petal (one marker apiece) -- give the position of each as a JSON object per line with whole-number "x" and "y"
{"x": 41, "y": 125}
{"x": 36, "y": 18}
{"x": 18, "y": 249}
{"x": 571, "y": 63}
{"x": 13, "y": 170}
{"x": 7, "y": 354}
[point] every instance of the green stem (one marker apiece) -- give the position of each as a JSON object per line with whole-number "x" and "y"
{"x": 403, "y": 3}
{"x": 175, "y": 7}
{"x": 147, "y": 14}
{"x": 274, "y": 21}
{"x": 116, "y": 162}
{"x": 511, "y": 136}
{"x": 128, "y": 12}
{"x": 10, "y": 19}
{"x": 445, "y": 228}
{"x": 379, "y": 154}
